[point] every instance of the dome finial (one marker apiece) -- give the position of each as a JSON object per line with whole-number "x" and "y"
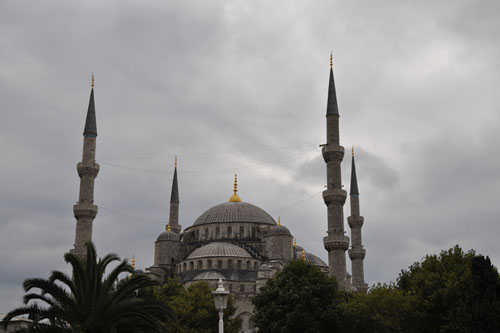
{"x": 295, "y": 242}
{"x": 279, "y": 220}
{"x": 303, "y": 255}
{"x": 168, "y": 228}
{"x": 235, "y": 197}
{"x": 93, "y": 81}
{"x": 133, "y": 265}
{"x": 331, "y": 60}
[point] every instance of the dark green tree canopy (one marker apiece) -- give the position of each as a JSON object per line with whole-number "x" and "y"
{"x": 299, "y": 298}
{"x": 89, "y": 301}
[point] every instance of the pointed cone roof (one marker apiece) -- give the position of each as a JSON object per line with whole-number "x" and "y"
{"x": 332, "y": 107}
{"x": 354, "y": 179}
{"x": 174, "y": 197}
{"x": 90, "y": 123}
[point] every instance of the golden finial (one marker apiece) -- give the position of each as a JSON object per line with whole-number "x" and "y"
{"x": 295, "y": 242}
{"x": 93, "y": 80}
{"x": 168, "y": 227}
{"x": 176, "y": 161}
{"x": 331, "y": 60}
{"x": 303, "y": 255}
{"x": 133, "y": 265}
{"x": 235, "y": 197}
{"x": 352, "y": 150}
{"x": 279, "y": 220}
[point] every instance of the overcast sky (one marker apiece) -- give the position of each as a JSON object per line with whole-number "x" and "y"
{"x": 241, "y": 86}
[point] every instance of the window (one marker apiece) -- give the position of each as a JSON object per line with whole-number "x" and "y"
{"x": 191, "y": 265}
{"x": 249, "y": 265}
{"x": 239, "y": 264}
{"x": 184, "y": 267}
{"x": 200, "y": 264}
{"x": 229, "y": 263}
{"x": 217, "y": 232}
{"x": 229, "y": 232}
{"x": 242, "y": 232}
{"x": 219, "y": 263}
{"x": 255, "y": 266}
{"x": 206, "y": 233}
{"x": 209, "y": 262}
{"x": 242, "y": 288}
{"x": 253, "y": 232}
{"x": 230, "y": 287}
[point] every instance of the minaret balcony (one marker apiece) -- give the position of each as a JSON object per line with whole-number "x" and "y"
{"x": 85, "y": 210}
{"x": 334, "y": 196}
{"x": 357, "y": 253}
{"x": 332, "y": 152}
{"x": 87, "y": 168}
{"x": 336, "y": 242}
{"x": 355, "y": 221}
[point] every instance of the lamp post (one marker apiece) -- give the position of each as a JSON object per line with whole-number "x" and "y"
{"x": 220, "y": 297}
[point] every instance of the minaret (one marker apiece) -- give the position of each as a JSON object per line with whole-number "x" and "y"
{"x": 336, "y": 243}
{"x": 85, "y": 210}
{"x": 356, "y": 253}
{"x": 174, "y": 204}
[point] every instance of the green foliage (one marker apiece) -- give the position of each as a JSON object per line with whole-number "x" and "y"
{"x": 382, "y": 309}
{"x": 90, "y": 302}
{"x": 194, "y": 308}
{"x": 454, "y": 292}
{"x": 299, "y": 298}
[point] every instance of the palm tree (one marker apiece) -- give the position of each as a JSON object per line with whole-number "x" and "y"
{"x": 90, "y": 302}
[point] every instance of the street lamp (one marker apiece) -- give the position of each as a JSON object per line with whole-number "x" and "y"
{"x": 220, "y": 297}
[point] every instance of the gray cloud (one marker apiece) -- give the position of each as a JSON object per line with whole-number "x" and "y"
{"x": 238, "y": 86}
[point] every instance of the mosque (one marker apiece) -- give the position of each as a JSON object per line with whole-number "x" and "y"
{"x": 236, "y": 241}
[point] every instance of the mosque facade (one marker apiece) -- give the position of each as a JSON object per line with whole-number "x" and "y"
{"x": 237, "y": 241}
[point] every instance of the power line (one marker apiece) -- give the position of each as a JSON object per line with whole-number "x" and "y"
{"x": 298, "y": 203}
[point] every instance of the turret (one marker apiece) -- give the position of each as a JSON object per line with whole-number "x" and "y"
{"x": 85, "y": 211}
{"x": 174, "y": 203}
{"x": 336, "y": 243}
{"x": 279, "y": 243}
{"x": 356, "y": 253}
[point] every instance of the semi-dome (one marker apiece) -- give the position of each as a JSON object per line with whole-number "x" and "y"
{"x": 209, "y": 275}
{"x": 217, "y": 249}
{"x": 235, "y": 211}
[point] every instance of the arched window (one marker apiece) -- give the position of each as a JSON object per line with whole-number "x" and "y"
{"x": 229, "y": 263}
{"x": 254, "y": 287}
{"x": 200, "y": 264}
{"x": 242, "y": 232}
{"x": 255, "y": 266}
{"x": 206, "y": 233}
{"x": 238, "y": 264}
{"x": 209, "y": 263}
{"x": 217, "y": 232}
{"x": 183, "y": 267}
{"x": 229, "y": 232}
{"x": 191, "y": 265}
{"x": 249, "y": 265}
{"x": 242, "y": 288}
{"x": 253, "y": 232}
{"x": 196, "y": 235}
{"x": 219, "y": 263}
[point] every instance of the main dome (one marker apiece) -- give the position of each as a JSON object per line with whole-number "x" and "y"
{"x": 235, "y": 212}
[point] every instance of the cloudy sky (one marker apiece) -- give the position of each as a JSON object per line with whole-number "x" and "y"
{"x": 240, "y": 86}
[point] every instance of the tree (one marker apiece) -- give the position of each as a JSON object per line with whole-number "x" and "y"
{"x": 454, "y": 292}
{"x": 90, "y": 302}
{"x": 384, "y": 308}
{"x": 299, "y": 298}
{"x": 194, "y": 308}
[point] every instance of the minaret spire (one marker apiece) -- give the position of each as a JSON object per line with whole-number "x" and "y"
{"x": 336, "y": 243}
{"x": 357, "y": 252}
{"x": 85, "y": 210}
{"x": 174, "y": 203}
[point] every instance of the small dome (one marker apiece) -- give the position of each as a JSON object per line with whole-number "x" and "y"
{"x": 235, "y": 212}
{"x": 311, "y": 258}
{"x": 168, "y": 236}
{"x": 209, "y": 275}
{"x": 278, "y": 230}
{"x": 219, "y": 250}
